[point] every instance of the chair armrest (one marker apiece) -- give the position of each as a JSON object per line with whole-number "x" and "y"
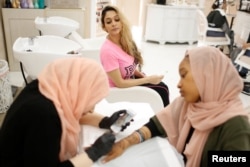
{"x": 136, "y": 94}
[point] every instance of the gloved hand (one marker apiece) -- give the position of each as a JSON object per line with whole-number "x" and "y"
{"x": 117, "y": 149}
{"x": 101, "y": 146}
{"x": 106, "y": 122}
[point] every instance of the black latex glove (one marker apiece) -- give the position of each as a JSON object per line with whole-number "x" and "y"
{"x": 106, "y": 122}
{"x": 101, "y": 146}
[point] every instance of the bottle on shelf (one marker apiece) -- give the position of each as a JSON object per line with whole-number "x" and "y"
{"x": 36, "y": 5}
{"x": 24, "y": 4}
{"x": 41, "y": 4}
{"x": 8, "y": 4}
{"x": 30, "y": 3}
{"x": 161, "y": 2}
{"x": 16, "y": 4}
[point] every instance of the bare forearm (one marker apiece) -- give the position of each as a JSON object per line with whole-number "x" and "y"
{"x": 132, "y": 82}
{"x": 135, "y": 138}
{"x": 139, "y": 74}
{"x": 91, "y": 119}
{"x": 122, "y": 145}
{"x": 120, "y": 82}
{"x": 81, "y": 160}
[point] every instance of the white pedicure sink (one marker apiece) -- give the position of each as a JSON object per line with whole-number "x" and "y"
{"x": 36, "y": 52}
{"x": 90, "y": 47}
{"x": 56, "y": 25}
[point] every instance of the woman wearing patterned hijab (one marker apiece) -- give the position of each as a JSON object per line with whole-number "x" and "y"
{"x": 43, "y": 124}
{"x": 208, "y": 115}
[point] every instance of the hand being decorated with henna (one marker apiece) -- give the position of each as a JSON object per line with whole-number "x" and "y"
{"x": 106, "y": 122}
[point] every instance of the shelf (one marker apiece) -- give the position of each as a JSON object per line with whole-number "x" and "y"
{"x": 100, "y": 4}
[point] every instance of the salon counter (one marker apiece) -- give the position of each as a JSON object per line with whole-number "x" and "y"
{"x": 174, "y": 24}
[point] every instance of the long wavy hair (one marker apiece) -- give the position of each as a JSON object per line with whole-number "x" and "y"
{"x": 126, "y": 40}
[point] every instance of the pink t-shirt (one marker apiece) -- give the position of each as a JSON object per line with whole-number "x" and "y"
{"x": 113, "y": 57}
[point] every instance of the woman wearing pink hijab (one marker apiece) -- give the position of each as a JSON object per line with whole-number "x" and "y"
{"x": 207, "y": 116}
{"x": 42, "y": 126}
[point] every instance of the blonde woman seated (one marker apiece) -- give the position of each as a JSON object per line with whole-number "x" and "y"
{"x": 120, "y": 56}
{"x": 208, "y": 115}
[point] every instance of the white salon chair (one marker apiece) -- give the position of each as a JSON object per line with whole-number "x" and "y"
{"x": 208, "y": 40}
{"x": 90, "y": 47}
{"x": 136, "y": 94}
{"x": 35, "y": 53}
{"x": 244, "y": 61}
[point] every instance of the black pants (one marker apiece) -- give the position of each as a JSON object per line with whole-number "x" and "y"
{"x": 162, "y": 89}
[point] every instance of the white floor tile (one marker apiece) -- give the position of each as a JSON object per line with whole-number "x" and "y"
{"x": 165, "y": 59}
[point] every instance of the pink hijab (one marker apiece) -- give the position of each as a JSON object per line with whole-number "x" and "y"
{"x": 74, "y": 85}
{"x": 219, "y": 85}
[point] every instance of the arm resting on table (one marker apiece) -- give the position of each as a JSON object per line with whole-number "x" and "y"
{"x": 149, "y": 130}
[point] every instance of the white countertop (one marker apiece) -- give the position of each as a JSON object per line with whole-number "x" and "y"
{"x": 154, "y": 152}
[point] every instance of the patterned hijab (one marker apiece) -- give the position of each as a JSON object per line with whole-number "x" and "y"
{"x": 74, "y": 85}
{"x": 219, "y": 86}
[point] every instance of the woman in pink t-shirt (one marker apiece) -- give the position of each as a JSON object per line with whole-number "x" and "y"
{"x": 121, "y": 58}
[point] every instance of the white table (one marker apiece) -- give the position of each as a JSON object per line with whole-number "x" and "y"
{"x": 154, "y": 152}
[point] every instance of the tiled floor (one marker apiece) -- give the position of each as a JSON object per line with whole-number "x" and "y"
{"x": 163, "y": 59}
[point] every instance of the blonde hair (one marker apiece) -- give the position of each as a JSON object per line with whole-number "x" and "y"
{"x": 126, "y": 41}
